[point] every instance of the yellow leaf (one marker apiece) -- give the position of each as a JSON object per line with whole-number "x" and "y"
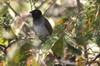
{"x": 35, "y": 63}
{"x": 89, "y": 24}
{"x": 80, "y": 61}
{"x": 3, "y": 41}
{"x": 59, "y": 45}
{"x": 62, "y": 20}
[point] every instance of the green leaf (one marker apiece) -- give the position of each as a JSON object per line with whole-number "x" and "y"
{"x": 59, "y": 45}
{"x": 70, "y": 43}
{"x": 81, "y": 39}
{"x": 70, "y": 40}
{"x": 58, "y": 31}
{"x": 89, "y": 35}
{"x": 74, "y": 50}
{"x": 3, "y": 9}
{"x": 49, "y": 44}
{"x": 98, "y": 1}
{"x": 22, "y": 56}
{"x": 98, "y": 40}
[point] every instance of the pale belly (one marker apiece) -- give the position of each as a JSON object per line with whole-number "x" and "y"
{"x": 41, "y": 31}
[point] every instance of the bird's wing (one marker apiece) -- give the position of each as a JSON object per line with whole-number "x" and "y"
{"x": 48, "y": 26}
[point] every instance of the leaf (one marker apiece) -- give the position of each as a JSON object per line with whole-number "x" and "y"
{"x": 81, "y": 39}
{"x": 3, "y": 41}
{"x": 70, "y": 43}
{"x": 70, "y": 40}
{"x": 52, "y": 40}
{"x": 98, "y": 1}
{"x": 58, "y": 30}
{"x": 80, "y": 61}
{"x": 74, "y": 50}
{"x": 98, "y": 40}
{"x": 49, "y": 44}
{"x": 35, "y": 63}
{"x": 3, "y": 9}
{"x": 62, "y": 20}
{"x": 59, "y": 45}
{"x": 89, "y": 35}
{"x": 22, "y": 56}
{"x": 89, "y": 24}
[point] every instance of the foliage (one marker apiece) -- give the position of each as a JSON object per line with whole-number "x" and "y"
{"x": 72, "y": 34}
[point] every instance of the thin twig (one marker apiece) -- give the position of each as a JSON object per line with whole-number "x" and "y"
{"x": 10, "y": 44}
{"x": 49, "y": 6}
{"x": 1, "y": 49}
{"x": 2, "y": 46}
{"x": 18, "y": 15}
{"x": 94, "y": 59}
{"x": 97, "y": 56}
{"x": 41, "y": 4}
{"x": 8, "y": 4}
{"x": 34, "y": 4}
{"x": 24, "y": 22}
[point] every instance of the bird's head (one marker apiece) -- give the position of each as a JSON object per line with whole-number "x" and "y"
{"x": 36, "y": 14}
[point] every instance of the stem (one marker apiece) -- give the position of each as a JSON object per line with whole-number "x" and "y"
{"x": 41, "y": 4}
{"x": 86, "y": 53}
{"x": 49, "y": 6}
{"x": 34, "y": 4}
{"x": 2, "y": 46}
{"x": 23, "y": 20}
{"x": 11, "y": 8}
{"x": 97, "y": 56}
{"x": 78, "y": 6}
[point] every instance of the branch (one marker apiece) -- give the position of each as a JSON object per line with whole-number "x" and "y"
{"x": 1, "y": 49}
{"x": 49, "y": 6}
{"x": 94, "y": 60}
{"x": 2, "y": 46}
{"x": 10, "y": 44}
{"x": 41, "y": 4}
{"x": 11, "y": 8}
{"x": 23, "y": 19}
{"x": 78, "y": 6}
{"x": 97, "y": 56}
{"x": 34, "y": 4}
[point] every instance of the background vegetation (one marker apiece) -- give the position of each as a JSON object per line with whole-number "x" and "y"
{"x": 75, "y": 39}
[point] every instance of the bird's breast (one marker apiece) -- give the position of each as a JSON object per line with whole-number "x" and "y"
{"x": 41, "y": 30}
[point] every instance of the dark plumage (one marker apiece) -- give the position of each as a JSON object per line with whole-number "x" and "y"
{"x": 41, "y": 25}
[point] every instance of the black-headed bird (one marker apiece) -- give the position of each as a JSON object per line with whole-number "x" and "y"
{"x": 41, "y": 25}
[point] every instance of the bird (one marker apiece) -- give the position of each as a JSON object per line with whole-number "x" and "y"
{"x": 41, "y": 25}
